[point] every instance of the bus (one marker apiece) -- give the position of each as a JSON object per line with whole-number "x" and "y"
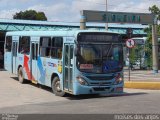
{"x": 74, "y": 62}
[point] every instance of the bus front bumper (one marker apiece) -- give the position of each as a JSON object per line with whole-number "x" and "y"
{"x": 113, "y": 89}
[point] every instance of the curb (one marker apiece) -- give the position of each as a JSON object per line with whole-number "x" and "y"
{"x": 142, "y": 85}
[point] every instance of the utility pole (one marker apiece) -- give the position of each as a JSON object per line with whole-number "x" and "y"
{"x": 155, "y": 45}
{"x": 129, "y": 33}
{"x": 106, "y": 13}
{"x": 83, "y": 23}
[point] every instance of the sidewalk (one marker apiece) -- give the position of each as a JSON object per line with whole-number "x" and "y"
{"x": 142, "y": 79}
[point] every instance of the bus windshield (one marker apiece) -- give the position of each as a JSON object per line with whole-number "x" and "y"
{"x": 100, "y": 58}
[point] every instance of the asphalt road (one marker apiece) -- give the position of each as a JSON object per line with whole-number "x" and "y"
{"x": 27, "y": 98}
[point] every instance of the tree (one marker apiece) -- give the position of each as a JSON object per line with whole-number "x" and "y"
{"x": 154, "y": 9}
{"x": 148, "y": 46}
{"x": 30, "y": 15}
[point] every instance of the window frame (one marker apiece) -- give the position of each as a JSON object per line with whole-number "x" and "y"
{"x": 41, "y": 47}
{"x": 51, "y": 46}
{"x": 22, "y": 47}
{"x": 57, "y": 48}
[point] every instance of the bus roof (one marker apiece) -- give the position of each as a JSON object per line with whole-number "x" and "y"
{"x": 51, "y": 33}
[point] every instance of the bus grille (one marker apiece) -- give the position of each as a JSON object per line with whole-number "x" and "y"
{"x": 100, "y": 83}
{"x": 100, "y": 77}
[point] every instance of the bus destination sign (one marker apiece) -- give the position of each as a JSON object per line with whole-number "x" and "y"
{"x": 117, "y": 17}
{"x": 98, "y": 37}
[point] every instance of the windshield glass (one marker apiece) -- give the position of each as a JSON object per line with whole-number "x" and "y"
{"x": 100, "y": 58}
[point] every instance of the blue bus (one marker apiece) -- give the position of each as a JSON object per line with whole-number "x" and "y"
{"x": 74, "y": 62}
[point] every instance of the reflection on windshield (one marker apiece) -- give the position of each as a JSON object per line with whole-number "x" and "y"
{"x": 99, "y": 58}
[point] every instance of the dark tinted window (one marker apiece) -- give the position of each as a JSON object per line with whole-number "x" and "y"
{"x": 24, "y": 45}
{"x": 51, "y": 47}
{"x": 45, "y": 43}
{"x": 8, "y": 45}
{"x": 57, "y": 42}
{"x": 56, "y": 48}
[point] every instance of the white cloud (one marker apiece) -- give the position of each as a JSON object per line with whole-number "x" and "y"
{"x": 53, "y": 12}
{"x": 141, "y": 6}
{"x": 8, "y": 14}
{"x": 70, "y": 11}
{"x": 77, "y": 6}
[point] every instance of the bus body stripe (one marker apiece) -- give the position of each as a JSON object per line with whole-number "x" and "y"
{"x": 26, "y": 67}
{"x": 41, "y": 69}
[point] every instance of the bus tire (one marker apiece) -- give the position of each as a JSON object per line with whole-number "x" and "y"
{"x": 56, "y": 87}
{"x": 20, "y": 75}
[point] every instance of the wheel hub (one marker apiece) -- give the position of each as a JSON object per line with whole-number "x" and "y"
{"x": 57, "y": 86}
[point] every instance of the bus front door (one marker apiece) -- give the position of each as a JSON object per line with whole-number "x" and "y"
{"x": 14, "y": 57}
{"x": 34, "y": 57}
{"x": 68, "y": 67}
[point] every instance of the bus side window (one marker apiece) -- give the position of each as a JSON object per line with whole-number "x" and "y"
{"x": 36, "y": 52}
{"x": 45, "y": 44}
{"x": 56, "y": 48}
{"x": 8, "y": 43}
{"x": 24, "y": 45}
{"x": 33, "y": 51}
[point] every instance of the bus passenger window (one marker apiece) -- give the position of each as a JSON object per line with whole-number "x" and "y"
{"x": 24, "y": 45}
{"x": 56, "y": 48}
{"x": 45, "y": 44}
{"x": 8, "y": 43}
{"x": 36, "y": 51}
{"x": 33, "y": 51}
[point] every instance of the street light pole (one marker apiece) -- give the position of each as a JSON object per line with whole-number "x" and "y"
{"x": 106, "y": 13}
{"x": 155, "y": 45}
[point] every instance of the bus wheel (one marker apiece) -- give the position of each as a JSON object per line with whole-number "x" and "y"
{"x": 56, "y": 87}
{"x": 20, "y": 75}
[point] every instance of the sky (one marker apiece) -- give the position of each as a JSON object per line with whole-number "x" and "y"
{"x": 69, "y": 10}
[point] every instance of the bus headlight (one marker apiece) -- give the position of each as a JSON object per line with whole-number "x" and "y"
{"x": 81, "y": 80}
{"x": 118, "y": 78}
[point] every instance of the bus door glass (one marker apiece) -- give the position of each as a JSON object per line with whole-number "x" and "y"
{"x": 68, "y": 67}
{"x": 1, "y": 53}
{"x": 8, "y": 54}
{"x": 34, "y": 57}
{"x": 14, "y": 57}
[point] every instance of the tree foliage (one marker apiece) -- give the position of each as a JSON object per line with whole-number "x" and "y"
{"x": 30, "y": 15}
{"x": 154, "y": 9}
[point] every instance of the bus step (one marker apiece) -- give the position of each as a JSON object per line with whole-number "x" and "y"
{"x": 35, "y": 82}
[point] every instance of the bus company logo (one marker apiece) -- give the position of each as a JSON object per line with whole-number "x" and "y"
{"x": 52, "y": 64}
